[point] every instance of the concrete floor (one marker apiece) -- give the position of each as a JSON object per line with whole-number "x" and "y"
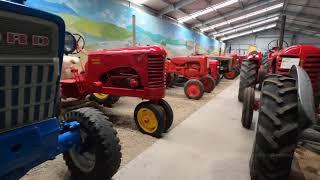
{"x": 209, "y": 144}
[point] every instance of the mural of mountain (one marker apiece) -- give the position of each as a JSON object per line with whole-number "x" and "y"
{"x": 51, "y": 6}
{"x": 101, "y": 30}
{"x": 157, "y": 38}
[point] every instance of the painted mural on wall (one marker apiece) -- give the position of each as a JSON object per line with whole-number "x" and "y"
{"x": 108, "y": 24}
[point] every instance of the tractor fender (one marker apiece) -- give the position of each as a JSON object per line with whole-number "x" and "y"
{"x": 306, "y": 107}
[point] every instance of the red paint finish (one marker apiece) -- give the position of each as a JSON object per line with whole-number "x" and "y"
{"x": 191, "y": 67}
{"x": 134, "y": 71}
{"x": 309, "y": 60}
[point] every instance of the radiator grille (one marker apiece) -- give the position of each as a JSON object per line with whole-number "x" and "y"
{"x": 26, "y": 93}
{"x": 156, "y": 71}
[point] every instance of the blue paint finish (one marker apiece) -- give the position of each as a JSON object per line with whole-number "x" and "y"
{"x": 24, "y": 148}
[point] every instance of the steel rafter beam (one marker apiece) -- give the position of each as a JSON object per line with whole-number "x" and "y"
{"x": 236, "y": 12}
{"x": 303, "y": 15}
{"x": 306, "y": 28}
{"x": 175, "y": 6}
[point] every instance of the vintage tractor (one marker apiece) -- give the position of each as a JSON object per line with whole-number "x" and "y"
{"x": 235, "y": 67}
{"x": 32, "y": 47}
{"x": 135, "y": 72}
{"x": 286, "y": 119}
{"x": 194, "y": 68}
{"x": 306, "y": 56}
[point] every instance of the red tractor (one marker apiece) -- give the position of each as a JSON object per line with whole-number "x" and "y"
{"x": 279, "y": 62}
{"x": 194, "y": 68}
{"x": 228, "y": 65}
{"x": 135, "y": 72}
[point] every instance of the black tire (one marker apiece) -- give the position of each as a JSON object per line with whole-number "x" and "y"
{"x": 169, "y": 114}
{"x": 248, "y": 75}
{"x": 98, "y": 138}
{"x": 208, "y": 83}
{"x": 265, "y": 65}
{"x": 277, "y": 130}
{"x": 247, "y": 107}
{"x": 107, "y": 101}
{"x": 159, "y": 114}
{"x": 218, "y": 79}
{"x": 190, "y": 93}
{"x": 170, "y": 79}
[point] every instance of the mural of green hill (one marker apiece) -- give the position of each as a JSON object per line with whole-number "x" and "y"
{"x": 157, "y": 38}
{"x": 101, "y": 30}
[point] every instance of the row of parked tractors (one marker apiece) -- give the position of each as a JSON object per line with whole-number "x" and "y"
{"x": 288, "y": 106}
{"x": 200, "y": 73}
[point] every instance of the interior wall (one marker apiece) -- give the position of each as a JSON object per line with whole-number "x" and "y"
{"x": 261, "y": 40}
{"x": 108, "y": 24}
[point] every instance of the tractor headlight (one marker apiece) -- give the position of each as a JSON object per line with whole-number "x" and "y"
{"x": 70, "y": 43}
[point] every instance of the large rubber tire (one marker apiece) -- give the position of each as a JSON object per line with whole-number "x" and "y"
{"x": 169, "y": 114}
{"x": 109, "y": 100}
{"x": 152, "y": 113}
{"x": 208, "y": 83}
{"x": 247, "y": 107}
{"x": 277, "y": 130}
{"x": 194, "y": 89}
{"x": 262, "y": 73}
{"x": 248, "y": 75}
{"x": 99, "y": 139}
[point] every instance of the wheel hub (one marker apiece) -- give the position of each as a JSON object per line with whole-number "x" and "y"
{"x": 193, "y": 90}
{"x": 147, "y": 120}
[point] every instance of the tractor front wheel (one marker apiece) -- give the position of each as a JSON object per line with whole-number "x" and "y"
{"x": 194, "y": 89}
{"x": 150, "y": 118}
{"x": 208, "y": 83}
{"x": 277, "y": 130}
{"x": 104, "y": 99}
{"x": 247, "y": 107}
{"x": 231, "y": 74}
{"x": 99, "y": 154}
{"x": 169, "y": 114}
{"x": 248, "y": 77}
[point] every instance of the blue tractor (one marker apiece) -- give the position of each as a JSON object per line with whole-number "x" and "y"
{"x": 32, "y": 44}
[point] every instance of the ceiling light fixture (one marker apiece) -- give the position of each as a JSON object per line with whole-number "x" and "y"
{"x": 139, "y": 2}
{"x": 242, "y": 17}
{"x": 249, "y": 32}
{"x": 250, "y": 26}
{"x": 207, "y": 10}
{"x": 244, "y": 24}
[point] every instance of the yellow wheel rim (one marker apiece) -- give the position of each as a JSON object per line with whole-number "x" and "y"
{"x": 100, "y": 95}
{"x": 147, "y": 120}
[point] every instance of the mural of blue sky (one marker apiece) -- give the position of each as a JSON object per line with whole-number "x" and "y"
{"x": 108, "y": 24}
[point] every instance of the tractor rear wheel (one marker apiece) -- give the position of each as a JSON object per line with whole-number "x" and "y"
{"x": 247, "y": 107}
{"x": 169, "y": 114}
{"x": 194, "y": 89}
{"x": 150, "y": 119}
{"x": 208, "y": 83}
{"x": 277, "y": 130}
{"x": 248, "y": 75}
{"x": 104, "y": 99}
{"x": 99, "y": 155}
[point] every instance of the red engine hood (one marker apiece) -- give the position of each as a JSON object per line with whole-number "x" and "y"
{"x": 132, "y": 50}
{"x": 300, "y": 50}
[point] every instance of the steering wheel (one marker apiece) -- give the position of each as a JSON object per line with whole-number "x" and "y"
{"x": 80, "y": 43}
{"x": 276, "y": 40}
